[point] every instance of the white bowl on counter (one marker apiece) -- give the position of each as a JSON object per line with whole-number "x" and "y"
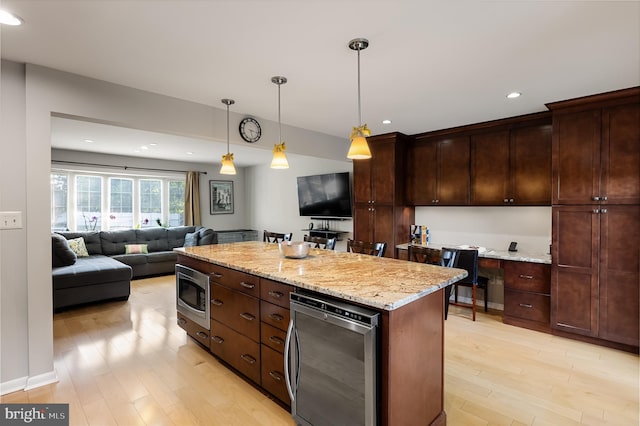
{"x": 294, "y": 249}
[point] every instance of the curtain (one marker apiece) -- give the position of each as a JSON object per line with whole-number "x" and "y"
{"x": 192, "y": 199}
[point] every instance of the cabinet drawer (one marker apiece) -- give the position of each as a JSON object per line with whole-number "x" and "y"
{"x": 526, "y": 276}
{"x": 236, "y": 310}
{"x": 246, "y": 283}
{"x": 273, "y": 379}
{"x": 241, "y": 353}
{"x": 275, "y": 292}
{"x": 193, "y": 329}
{"x": 274, "y": 315}
{"x": 273, "y": 337}
{"x": 529, "y": 306}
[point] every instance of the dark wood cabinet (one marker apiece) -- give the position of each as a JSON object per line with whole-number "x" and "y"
{"x": 596, "y": 149}
{"x": 595, "y": 280}
{"x": 512, "y": 166}
{"x": 527, "y": 288}
{"x": 438, "y": 171}
{"x": 380, "y": 213}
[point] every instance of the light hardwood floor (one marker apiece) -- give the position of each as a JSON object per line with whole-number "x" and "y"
{"x": 127, "y": 363}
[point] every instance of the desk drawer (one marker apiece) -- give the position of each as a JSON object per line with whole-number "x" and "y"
{"x": 275, "y": 292}
{"x": 241, "y": 352}
{"x": 274, "y": 315}
{"x": 273, "y": 337}
{"x": 529, "y": 306}
{"x": 236, "y": 310}
{"x": 526, "y": 276}
{"x": 193, "y": 329}
{"x": 246, "y": 283}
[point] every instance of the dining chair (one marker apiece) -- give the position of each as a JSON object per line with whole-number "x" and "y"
{"x": 321, "y": 242}
{"x": 468, "y": 260}
{"x": 365, "y": 247}
{"x": 448, "y": 258}
{"x": 276, "y": 237}
{"x": 423, "y": 254}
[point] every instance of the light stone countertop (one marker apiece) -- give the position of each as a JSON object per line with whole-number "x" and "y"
{"x": 518, "y": 256}
{"x": 380, "y": 283}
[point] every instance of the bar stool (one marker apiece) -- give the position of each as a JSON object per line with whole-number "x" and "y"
{"x": 275, "y": 237}
{"x": 468, "y": 259}
{"x": 321, "y": 242}
{"x": 365, "y": 247}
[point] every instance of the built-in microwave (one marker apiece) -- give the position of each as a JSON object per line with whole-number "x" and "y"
{"x": 192, "y": 295}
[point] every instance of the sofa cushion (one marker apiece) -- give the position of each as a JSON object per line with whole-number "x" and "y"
{"x": 96, "y": 269}
{"x": 61, "y": 254}
{"x": 176, "y": 235}
{"x": 191, "y": 239}
{"x": 113, "y": 242}
{"x": 155, "y": 238}
{"x": 162, "y": 256}
{"x": 77, "y": 246}
{"x": 206, "y": 236}
{"x": 91, "y": 240}
{"x": 131, "y": 259}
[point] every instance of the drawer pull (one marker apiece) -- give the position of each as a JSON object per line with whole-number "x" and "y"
{"x": 247, "y": 316}
{"x": 217, "y": 302}
{"x": 276, "y": 340}
{"x": 526, "y": 305}
{"x": 248, "y": 358}
{"x": 202, "y": 335}
{"x": 526, "y": 277}
{"x": 182, "y": 321}
{"x": 276, "y": 317}
{"x": 276, "y": 376}
{"x": 216, "y": 275}
{"x": 275, "y": 294}
{"x": 217, "y": 339}
{"x": 247, "y": 285}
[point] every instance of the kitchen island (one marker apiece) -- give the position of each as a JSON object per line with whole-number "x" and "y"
{"x": 408, "y": 296}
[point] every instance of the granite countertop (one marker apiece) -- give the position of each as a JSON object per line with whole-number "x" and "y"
{"x": 380, "y": 283}
{"x": 518, "y": 256}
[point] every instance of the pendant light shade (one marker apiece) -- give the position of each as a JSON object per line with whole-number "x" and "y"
{"x": 359, "y": 149}
{"x": 228, "y": 168}
{"x": 279, "y": 160}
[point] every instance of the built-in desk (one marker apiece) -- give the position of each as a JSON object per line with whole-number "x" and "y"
{"x": 325, "y": 233}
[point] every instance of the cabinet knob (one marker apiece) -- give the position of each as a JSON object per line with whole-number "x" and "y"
{"x": 247, "y": 316}
{"x": 247, "y": 285}
{"x": 276, "y": 317}
{"x": 202, "y": 335}
{"x": 596, "y": 198}
{"x": 182, "y": 321}
{"x": 217, "y": 302}
{"x": 526, "y": 277}
{"x": 511, "y": 200}
{"x": 276, "y": 376}
{"x": 217, "y": 339}
{"x": 526, "y": 305}
{"x": 603, "y": 198}
{"x": 248, "y": 358}
{"x": 596, "y": 211}
{"x": 276, "y": 340}
{"x": 276, "y": 294}
{"x": 506, "y": 200}
{"x": 603, "y": 211}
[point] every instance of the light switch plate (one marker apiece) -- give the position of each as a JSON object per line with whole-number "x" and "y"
{"x": 10, "y": 220}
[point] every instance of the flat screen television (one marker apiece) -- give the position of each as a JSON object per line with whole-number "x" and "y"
{"x": 327, "y": 195}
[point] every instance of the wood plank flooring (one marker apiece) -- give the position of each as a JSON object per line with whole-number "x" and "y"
{"x": 127, "y": 363}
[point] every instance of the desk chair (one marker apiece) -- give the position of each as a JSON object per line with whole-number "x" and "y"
{"x": 321, "y": 242}
{"x": 468, "y": 259}
{"x": 448, "y": 257}
{"x": 365, "y": 247}
{"x": 275, "y": 237}
{"x": 423, "y": 254}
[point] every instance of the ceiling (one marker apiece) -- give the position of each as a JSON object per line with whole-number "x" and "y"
{"x": 430, "y": 64}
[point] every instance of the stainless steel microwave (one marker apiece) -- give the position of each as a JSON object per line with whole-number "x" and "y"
{"x": 192, "y": 295}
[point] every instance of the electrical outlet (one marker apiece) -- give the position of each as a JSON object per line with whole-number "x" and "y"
{"x": 10, "y": 220}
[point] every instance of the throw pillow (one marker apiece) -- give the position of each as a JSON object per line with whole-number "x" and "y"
{"x": 136, "y": 249}
{"x": 61, "y": 254}
{"x": 191, "y": 239}
{"x": 78, "y": 247}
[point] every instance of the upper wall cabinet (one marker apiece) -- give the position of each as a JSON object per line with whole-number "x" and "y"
{"x": 596, "y": 149}
{"x": 438, "y": 171}
{"x": 512, "y": 166}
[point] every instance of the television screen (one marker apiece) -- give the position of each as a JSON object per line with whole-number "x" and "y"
{"x": 327, "y": 195}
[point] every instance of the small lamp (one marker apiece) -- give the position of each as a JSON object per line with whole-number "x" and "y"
{"x": 279, "y": 160}
{"x": 228, "y": 168}
{"x": 359, "y": 149}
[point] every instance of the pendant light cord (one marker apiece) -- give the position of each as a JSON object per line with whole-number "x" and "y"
{"x": 227, "y": 128}
{"x": 279, "y": 122}
{"x": 359, "y": 103}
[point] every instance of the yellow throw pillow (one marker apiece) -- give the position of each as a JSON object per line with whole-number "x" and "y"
{"x": 136, "y": 249}
{"x": 78, "y": 247}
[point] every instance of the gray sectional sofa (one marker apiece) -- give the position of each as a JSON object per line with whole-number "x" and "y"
{"x": 106, "y": 272}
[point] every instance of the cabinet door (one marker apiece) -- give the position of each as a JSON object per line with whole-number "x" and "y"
{"x": 531, "y": 166}
{"x": 619, "y": 276}
{"x": 453, "y": 182}
{"x": 490, "y": 169}
{"x": 620, "y": 173}
{"x": 363, "y": 222}
{"x": 384, "y": 230}
{"x": 421, "y": 173}
{"x": 382, "y": 171}
{"x": 362, "y": 181}
{"x": 574, "y": 273}
{"x": 576, "y": 157}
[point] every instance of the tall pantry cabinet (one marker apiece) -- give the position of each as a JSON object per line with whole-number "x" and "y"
{"x": 380, "y": 214}
{"x": 595, "y": 288}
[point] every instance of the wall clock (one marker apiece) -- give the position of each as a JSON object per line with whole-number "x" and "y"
{"x": 250, "y": 130}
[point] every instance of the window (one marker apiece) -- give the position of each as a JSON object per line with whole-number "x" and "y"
{"x": 89, "y": 203}
{"x": 121, "y": 203}
{"x": 93, "y": 201}
{"x": 59, "y": 202}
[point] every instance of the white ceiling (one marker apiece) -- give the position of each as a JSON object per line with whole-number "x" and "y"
{"x": 430, "y": 64}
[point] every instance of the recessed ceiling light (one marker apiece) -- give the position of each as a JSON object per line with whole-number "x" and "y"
{"x": 514, "y": 95}
{"x": 136, "y": 150}
{"x": 189, "y": 153}
{"x": 7, "y": 18}
{"x": 144, "y": 147}
{"x": 88, "y": 141}
{"x": 153, "y": 144}
{"x": 386, "y": 121}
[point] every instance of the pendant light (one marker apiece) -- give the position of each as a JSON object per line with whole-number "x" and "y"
{"x": 279, "y": 160}
{"x": 359, "y": 149}
{"x": 227, "y": 159}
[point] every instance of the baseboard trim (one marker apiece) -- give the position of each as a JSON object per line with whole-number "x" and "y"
{"x": 27, "y": 383}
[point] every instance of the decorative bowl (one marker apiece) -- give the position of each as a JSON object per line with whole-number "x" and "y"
{"x": 294, "y": 249}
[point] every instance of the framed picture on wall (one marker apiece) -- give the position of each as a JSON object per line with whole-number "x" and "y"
{"x": 221, "y": 196}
